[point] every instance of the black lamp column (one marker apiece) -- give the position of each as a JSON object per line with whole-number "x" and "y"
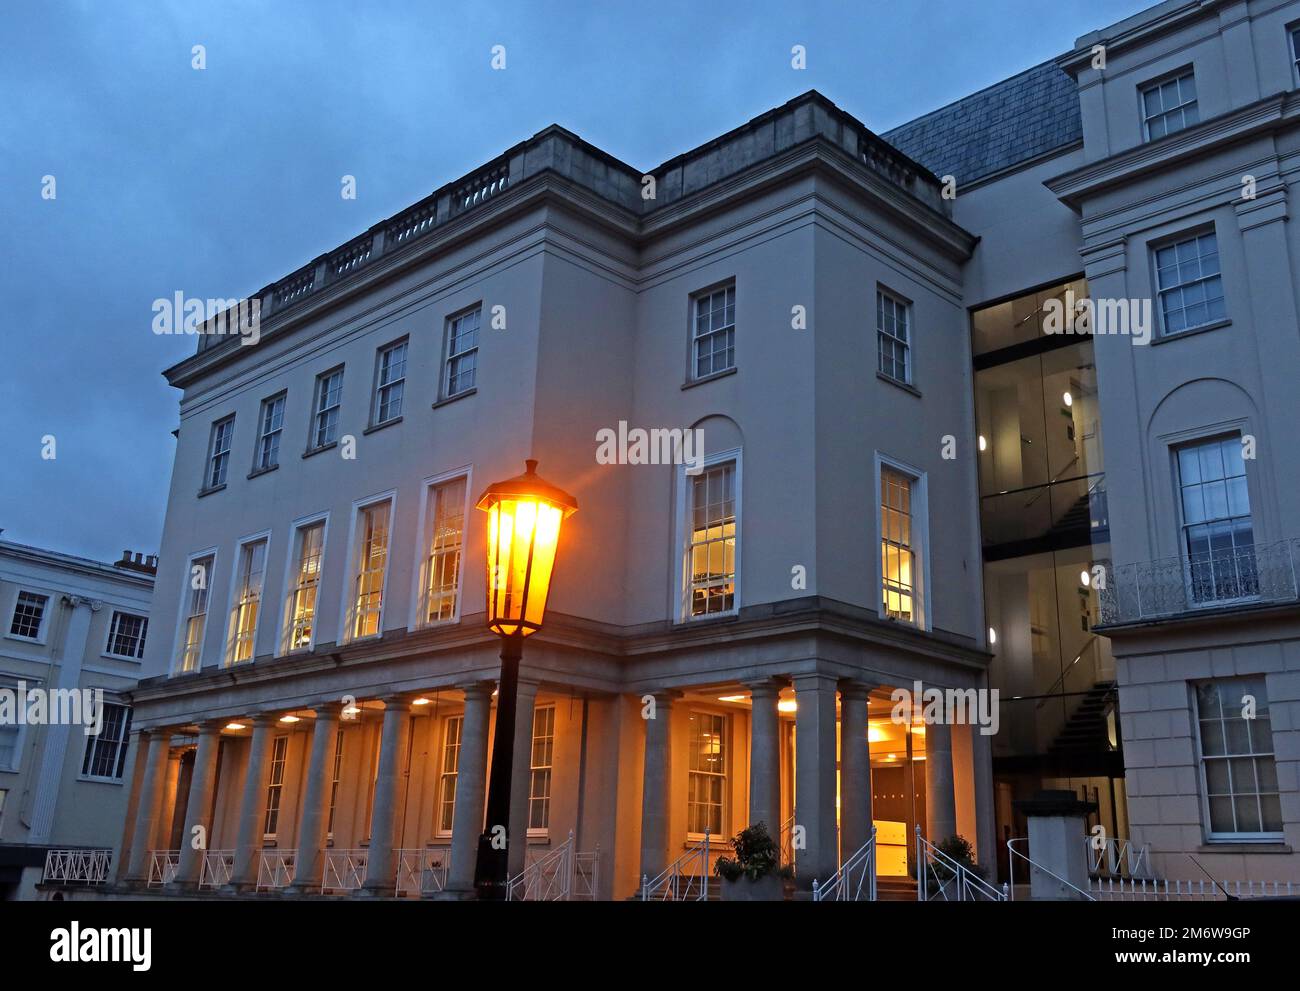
{"x": 492, "y": 866}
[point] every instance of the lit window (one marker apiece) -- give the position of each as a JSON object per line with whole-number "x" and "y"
{"x": 445, "y": 512}
{"x": 711, "y": 551}
{"x": 715, "y": 332}
{"x": 447, "y": 778}
{"x": 1237, "y": 762}
{"x": 1190, "y": 284}
{"x": 334, "y": 782}
{"x": 1218, "y": 533}
{"x": 462, "y": 353}
{"x": 306, "y": 586}
{"x": 223, "y": 433}
{"x": 390, "y": 382}
{"x": 329, "y": 397}
{"x": 248, "y": 601}
{"x": 126, "y": 635}
{"x": 29, "y": 613}
{"x": 1169, "y": 106}
{"x": 106, "y": 752}
{"x": 271, "y": 425}
{"x": 539, "y": 789}
{"x": 275, "y": 786}
{"x": 893, "y": 336}
{"x": 196, "y": 614}
{"x": 897, "y": 548}
{"x": 372, "y": 562}
{"x": 707, "y": 777}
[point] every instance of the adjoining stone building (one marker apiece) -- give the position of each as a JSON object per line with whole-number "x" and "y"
{"x": 73, "y": 640}
{"x": 904, "y": 481}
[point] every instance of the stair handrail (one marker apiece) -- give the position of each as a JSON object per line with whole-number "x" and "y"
{"x": 1049, "y": 695}
{"x": 1033, "y": 866}
{"x": 667, "y": 885}
{"x": 846, "y": 884}
{"x": 547, "y": 879}
{"x": 970, "y": 886}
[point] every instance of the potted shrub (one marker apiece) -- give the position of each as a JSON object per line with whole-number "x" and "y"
{"x": 755, "y": 873}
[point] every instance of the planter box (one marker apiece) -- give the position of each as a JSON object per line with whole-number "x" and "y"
{"x": 769, "y": 888}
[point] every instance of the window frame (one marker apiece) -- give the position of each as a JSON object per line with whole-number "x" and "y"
{"x": 378, "y": 386}
{"x": 419, "y": 579}
{"x": 318, "y": 409}
{"x": 179, "y": 647}
{"x": 1293, "y": 46}
{"x": 120, "y": 748}
{"x": 681, "y": 591}
{"x": 213, "y": 454}
{"x": 693, "y": 339}
{"x": 920, "y": 526}
{"x": 725, "y": 774}
{"x": 1211, "y": 835}
{"x": 43, "y": 624}
{"x": 275, "y": 787}
{"x": 281, "y": 397}
{"x": 336, "y": 779}
{"x": 232, "y": 603}
{"x": 444, "y": 747}
{"x": 1184, "y": 551}
{"x": 883, "y": 294}
{"x": 534, "y": 769}
{"x": 292, "y": 564}
{"x": 1173, "y": 76}
{"x": 112, "y": 626}
{"x": 20, "y": 734}
{"x": 348, "y": 611}
{"x": 444, "y": 373}
{"x": 1172, "y": 241}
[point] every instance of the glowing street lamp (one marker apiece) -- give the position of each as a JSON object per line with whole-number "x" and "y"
{"x": 524, "y": 518}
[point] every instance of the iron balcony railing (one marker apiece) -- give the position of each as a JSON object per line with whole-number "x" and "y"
{"x": 163, "y": 865}
{"x": 561, "y": 875}
{"x": 855, "y": 881}
{"x": 684, "y": 880}
{"x": 275, "y": 869}
{"x": 77, "y": 866}
{"x": 1250, "y": 575}
{"x": 218, "y": 867}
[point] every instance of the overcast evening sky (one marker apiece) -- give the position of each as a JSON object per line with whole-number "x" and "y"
{"x": 217, "y": 182}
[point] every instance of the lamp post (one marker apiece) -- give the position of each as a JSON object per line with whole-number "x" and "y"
{"x": 524, "y": 518}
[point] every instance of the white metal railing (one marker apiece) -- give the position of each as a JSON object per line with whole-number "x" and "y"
{"x": 1249, "y": 574}
{"x": 547, "y": 879}
{"x": 275, "y": 869}
{"x": 1118, "y": 889}
{"x": 855, "y": 881}
{"x": 941, "y": 878}
{"x": 421, "y": 870}
{"x": 218, "y": 866}
{"x": 686, "y": 879}
{"x": 163, "y": 865}
{"x": 344, "y": 870}
{"x": 1013, "y": 853}
{"x": 785, "y": 842}
{"x": 77, "y": 866}
{"x": 586, "y": 875}
{"x": 1116, "y": 857}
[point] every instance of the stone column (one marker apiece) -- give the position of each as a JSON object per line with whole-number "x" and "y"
{"x": 471, "y": 782}
{"x": 252, "y": 805}
{"x": 198, "y": 806}
{"x": 940, "y": 798}
{"x": 521, "y": 780}
{"x": 656, "y": 799}
{"x": 855, "y": 769}
{"x": 815, "y": 776}
{"x": 381, "y": 871}
{"x": 314, "y": 818}
{"x": 152, "y": 782}
{"x": 765, "y": 756}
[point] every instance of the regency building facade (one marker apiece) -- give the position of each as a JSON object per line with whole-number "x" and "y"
{"x": 904, "y": 479}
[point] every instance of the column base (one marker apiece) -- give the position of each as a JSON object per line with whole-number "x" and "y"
{"x": 453, "y": 895}
{"x": 376, "y": 891}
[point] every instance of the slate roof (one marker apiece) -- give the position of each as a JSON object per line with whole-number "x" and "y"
{"x": 1008, "y": 123}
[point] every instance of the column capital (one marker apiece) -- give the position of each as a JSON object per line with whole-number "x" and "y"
{"x": 328, "y": 710}
{"x": 814, "y": 681}
{"x": 477, "y": 689}
{"x": 263, "y": 719}
{"x": 662, "y": 696}
{"x": 212, "y": 727}
{"x": 857, "y": 691}
{"x": 765, "y": 688}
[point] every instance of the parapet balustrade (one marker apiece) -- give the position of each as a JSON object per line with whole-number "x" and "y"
{"x": 1221, "y": 578}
